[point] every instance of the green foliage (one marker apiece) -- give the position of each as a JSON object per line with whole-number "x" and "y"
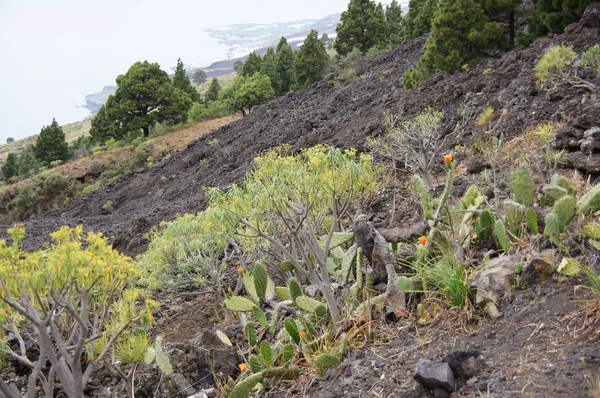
{"x": 592, "y": 230}
{"x": 532, "y": 220}
{"x": 252, "y": 65}
{"x": 92, "y": 284}
{"x": 552, "y": 228}
{"x": 522, "y": 186}
{"x": 260, "y": 280}
{"x": 310, "y": 60}
{"x": 292, "y": 328}
{"x": 412, "y": 78}
{"x": 9, "y": 169}
{"x": 485, "y": 225}
{"x": 324, "y": 361}
{"x": 590, "y": 202}
{"x": 460, "y": 33}
{"x": 295, "y": 289}
{"x": 501, "y": 237}
{"x": 9, "y": 140}
{"x": 104, "y": 127}
{"x": 50, "y": 144}
{"x": 552, "y": 65}
{"x": 243, "y": 388}
{"x": 162, "y": 360}
{"x": 560, "y": 181}
{"x": 212, "y": 94}
{"x": 419, "y": 17}
{"x": 552, "y": 16}
{"x": 569, "y": 267}
{"x": 394, "y": 26}
{"x": 238, "y": 304}
{"x": 238, "y": 65}
{"x": 269, "y": 68}
{"x": 283, "y": 293}
{"x": 284, "y": 59}
{"x": 145, "y": 96}
{"x": 250, "y": 331}
{"x": 564, "y": 209}
{"x": 590, "y": 58}
{"x": 255, "y": 363}
{"x": 198, "y": 112}
{"x": 199, "y": 76}
{"x": 266, "y": 354}
{"x": 361, "y": 26}
{"x": 182, "y": 82}
{"x": 307, "y": 304}
{"x": 247, "y": 92}
{"x": 425, "y": 196}
{"x": 554, "y": 192}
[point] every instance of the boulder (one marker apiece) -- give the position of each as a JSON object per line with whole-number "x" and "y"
{"x": 434, "y": 376}
{"x": 493, "y": 282}
{"x": 591, "y": 141}
{"x": 212, "y": 355}
{"x": 579, "y": 160}
{"x": 464, "y": 364}
{"x": 541, "y": 267}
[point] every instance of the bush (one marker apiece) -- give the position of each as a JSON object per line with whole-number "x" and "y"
{"x": 198, "y": 112}
{"x": 412, "y": 78}
{"x": 552, "y": 64}
{"x": 85, "y": 293}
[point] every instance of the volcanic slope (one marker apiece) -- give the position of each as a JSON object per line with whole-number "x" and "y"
{"x": 335, "y": 111}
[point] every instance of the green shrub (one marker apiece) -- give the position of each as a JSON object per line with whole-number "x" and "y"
{"x": 198, "y": 112}
{"x": 553, "y": 63}
{"x": 591, "y": 58}
{"x": 412, "y": 78}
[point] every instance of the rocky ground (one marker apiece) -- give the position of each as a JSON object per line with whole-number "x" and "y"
{"x": 533, "y": 350}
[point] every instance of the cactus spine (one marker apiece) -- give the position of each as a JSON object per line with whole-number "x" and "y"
{"x": 522, "y": 187}
{"x": 239, "y": 304}
{"x": 295, "y": 289}
{"x": 260, "y": 280}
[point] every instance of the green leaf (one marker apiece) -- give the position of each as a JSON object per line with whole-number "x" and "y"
{"x": 251, "y": 333}
{"x": 324, "y": 361}
{"x": 239, "y": 304}
{"x": 288, "y": 352}
{"x": 260, "y": 317}
{"x": 292, "y": 328}
{"x": 532, "y": 220}
{"x": 307, "y": 304}
{"x": 283, "y": 293}
{"x": 260, "y": 280}
{"x": 255, "y": 363}
{"x": 266, "y": 353}
{"x": 243, "y": 388}
{"x": 224, "y": 339}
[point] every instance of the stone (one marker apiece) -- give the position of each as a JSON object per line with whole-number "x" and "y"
{"x": 476, "y": 164}
{"x": 568, "y": 137}
{"x": 311, "y": 290}
{"x": 591, "y": 141}
{"x": 213, "y": 355}
{"x": 541, "y": 267}
{"x": 434, "y": 376}
{"x": 457, "y": 359}
{"x": 493, "y": 282}
{"x": 180, "y": 383}
{"x": 581, "y": 161}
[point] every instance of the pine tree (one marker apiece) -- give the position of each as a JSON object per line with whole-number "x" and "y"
{"x": 182, "y": 82}
{"x": 237, "y": 66}
{"x": 504, "y": 12}
{"x": 419, "y": 17}
{"x": 361, "y": 26}
{"x": 145, "y": 96}
{"x": 252, "y": 65}
{"x": 212, "y": 94}
{"x": 310, "y": 61}
{"x": 27, "y": 163}
{"x": 269, "y": 68}
{"x": 9, "y": 169}
{"x": 50, "y": 144}
{"x": 393, "y": 20}
{"x": 103, "y": 126}
{"x": 460, "y": 34}
{"x": 199, "y": 76}
{"x": 552, "y": 16}
{"x": 247, "y": 92}
{"x": 284, "y": 57}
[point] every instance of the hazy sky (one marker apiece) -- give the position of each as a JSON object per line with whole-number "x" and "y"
{"x": 54, "y": 52}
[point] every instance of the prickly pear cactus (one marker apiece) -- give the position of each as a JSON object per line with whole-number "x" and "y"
{"x": 266, "y": 353}
{"x": 243, "y": 388}
{"x": 324, "y": 361}
{"x": 552, "y": 228}
{"x": 532, "y": 220}
{"x": 501, "y": 237}
{"x": 554, "y": 192}
{"x": 522, "y": 186}
{"x": 564, "y": 209}
{"x": 561, "y": 181}
{"x": 292, "y": 328}
{"x": 590, "y": 202}
{"x": 250, "y": 331}
{"x": 307, "y": 304}
{"x": 260, "y": 280}
{"x": 255, "y": 363}
{"x": 486, "y": 225}
{"x": 239, "y": 304}
{"x": 425, "y": 197}
{"x": 295, "y": 289}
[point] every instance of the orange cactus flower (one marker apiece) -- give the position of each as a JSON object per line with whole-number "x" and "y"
{"x": 240, "y": 271}
{"x": 423, "y": 240}
{"x": 448, "y": 158}
{"x": 243, "y": 367}
{"x": 302, "y": 334}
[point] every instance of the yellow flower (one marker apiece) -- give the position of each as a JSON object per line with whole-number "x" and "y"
{"x": 423, "y": 240}
{"x": 243, "y": 367}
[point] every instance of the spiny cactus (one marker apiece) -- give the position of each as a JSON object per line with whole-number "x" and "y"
{"x": 243, "y": 388}
{"x": 295, "y": 289}
{"x": 307, "y": 304}
{"x": 324, "y": 361}
{"x": 255, "y": 363}
{"x": 564, "y": 210}
{"x": 569, "y": 267}
{"x": 485, "y": 225}
{"x": 552, "y": 228}
{"x": 292, "y": 328}
{"x": 320, "y": 311}
{"x": 425, "y": 197}
{"x": 266, "y": 353}
{"x": 260, "y": 280}
{"x": 514, "y": 217}
{"x": 239, "y": 304}
{"x": 501, "y": 237}
{"x": 309, "y": 327}
{"x": 260, "y": 317}
{"x": 250, "y": 286}
{"x": 287, "y": 353}
{"x": 283, "y": 293}
{"x": 522, "y": 186}
{"x": 554, "y": 192}
{"x": 282, "y": 373}
{"x": 561, "y": 181}
{"x": 590, "y": 202}
{"x": 592, "y": 230}
{"x": 287, "y": 265}
{"x": 250, "y": 331}
{"x": 162, "y": 360}
{"x": 532, "y": 220}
